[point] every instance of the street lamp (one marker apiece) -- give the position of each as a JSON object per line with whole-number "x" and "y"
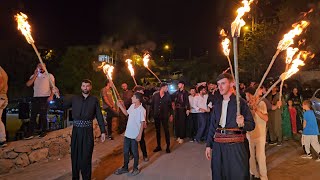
{"x": 166, "y": 47}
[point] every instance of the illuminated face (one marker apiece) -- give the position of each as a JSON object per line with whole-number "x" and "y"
{"x": 225, "y": 86}
{"x": 134, "y": 99}
{"x": 124, "y": 86}
{"x": 203, "y": 91}
{"x": 165, "y": 88}
{"x": 295, "y": 91}
{"x": 192, "y": 92}
{"x": 40, "y": 68}
{"x": 86, "y": 88}
{"x": 180, "y": 85}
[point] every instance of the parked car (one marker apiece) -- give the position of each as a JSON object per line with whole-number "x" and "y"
{"x": 315, "y": 100}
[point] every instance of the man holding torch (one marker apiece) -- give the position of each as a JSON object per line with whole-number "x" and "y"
{"x": 43, "y": 94}
{"x": 227, "y": 146}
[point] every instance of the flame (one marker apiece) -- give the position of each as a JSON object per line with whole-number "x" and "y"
{"x": 239, "y": 22}
{"x": 223, "y": 33}
{"x": 107, "y": 69}
{"x": 288, "y": 38}
{"x": 24, "y": 26}
{"x": 130, "y": 67}
{"x": 225, "y": 46}
{"x": 146, "y": 59}
{"x": 290, "y": 53}
{"x": 298, "y": 61}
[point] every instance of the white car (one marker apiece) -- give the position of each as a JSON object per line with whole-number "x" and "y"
{"x": 315, "y": 100}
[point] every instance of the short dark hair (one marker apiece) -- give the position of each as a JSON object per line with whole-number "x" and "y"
{"x": 87, "y": 81}
{"x": 251, "y": 90}
{"x": 182, "y": 82}
{"x": 106, "y": 82}
{"x": 163, "y": 84}
{"x": 139, "y": 96}
{"x": 201, "y": 88}
{"x": 307, "y": 102}
{"x": 138, "y": 88}
{"x": 225, "y": 75}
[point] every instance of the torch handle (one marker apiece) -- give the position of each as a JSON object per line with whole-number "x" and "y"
{"x": 230, "y": 65}
{"x": 282, "y": 82}
{"x": 45, "y": 69}
{"x": 236, "y": 72}
{"x": 269, "y": 90}
{"x": 268, "y": 70}
{"x": 134, "y": 79}
{"x": 154, "y": 74}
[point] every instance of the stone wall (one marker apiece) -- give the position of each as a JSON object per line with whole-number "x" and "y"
{"x": 55, "y": 145}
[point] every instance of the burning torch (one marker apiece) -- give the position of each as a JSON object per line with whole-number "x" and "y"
{"x": 130, "y": 67}
{"x": 146, "y": 59}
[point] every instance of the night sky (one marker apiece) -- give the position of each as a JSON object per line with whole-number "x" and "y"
{"x": 60, "y": 23}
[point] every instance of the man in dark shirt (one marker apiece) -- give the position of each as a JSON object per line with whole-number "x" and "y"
{"x": 182, "y": 110}
{"x": 162, "y": 111}
{"x": 227, "y": 146}
{"x": 84, "y": 109}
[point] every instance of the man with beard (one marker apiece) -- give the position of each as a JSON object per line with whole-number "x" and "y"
{"x": 182, "y": 110}
{"x": 108, "y": 106}
{"x": 227, "y": 146}
{"x": 85, "y": 108}
{"x": 43, "y": 93}
{"x": 162, "y": 112}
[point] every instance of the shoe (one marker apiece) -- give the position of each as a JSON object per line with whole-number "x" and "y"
{"x": 272, "y": 143}
{"x": 168, "y": 150}
{"x": 121, "y": 171}
{"x": 180, "y": 141}
{"x": 135, "y": 172}
{"x": 43, "y": 134}
{"x": 307, "y": 156}
{"x": 110, "y": 137}
{"x": 157, "y": 149}
{"x": 28, "y": 138}
{"x": 279, "y": 144}
{"x": 3, "y": 144}
{"x": 191, "y": 140}
{"x": 318, "y": 159}
{"x": 145, "y": 159}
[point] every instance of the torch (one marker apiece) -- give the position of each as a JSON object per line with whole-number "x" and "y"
{"x": 108, "y": 70}
{"x": 226, "y": 50}
{"x": 284, "y": 44}
{"x": 235, "y": 32}
{"x": 25, "y": 29}
{"x": 130, "y": 67}
{"x": 293, "y": 69}
{"x": 146, "y": 59}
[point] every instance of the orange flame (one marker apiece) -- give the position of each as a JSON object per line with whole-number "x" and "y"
{"x": 239, "y": 22}
{"x": 146, "y": 59}
{"x": 290, "y": 53}
{"x": 107, "y": 69}
{"x": 223, "y": 33}
{"x": 296, "y": 63}
{"x": 288, "y": 38}
{"x": 24, "y": 26}
{"x": 225, "y": 46}
{"x": 130, "y": 67}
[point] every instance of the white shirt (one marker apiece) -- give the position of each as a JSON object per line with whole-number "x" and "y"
{"x": 261, "y": 125}
{"x": 223, "y": 118}
{"x": 41, "y": 87}
{"x": 136, "y": 116}
{"x": 192, "y": 103}
{"x": 201, "y": 102}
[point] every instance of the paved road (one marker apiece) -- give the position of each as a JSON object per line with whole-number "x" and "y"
{"x": 187, "y": 162}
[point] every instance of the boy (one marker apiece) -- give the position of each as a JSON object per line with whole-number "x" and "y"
{"x": 137, "y": 115}
{"x": 310, "y": 131}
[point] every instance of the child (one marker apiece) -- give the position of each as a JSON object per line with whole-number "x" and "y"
{"x": 137, "y": 116}
{"x": 293, "y": 116}
{"x": 310, "y": 131}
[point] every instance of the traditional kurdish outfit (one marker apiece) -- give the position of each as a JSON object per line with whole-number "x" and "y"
{"x": 230, "y": 160}
{"x": 84, "y": 110}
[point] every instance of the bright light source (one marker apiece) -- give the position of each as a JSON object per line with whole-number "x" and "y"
{"x": 166, "y": 47}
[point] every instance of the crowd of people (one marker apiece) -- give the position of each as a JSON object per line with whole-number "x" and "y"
{"x": 235, "y": 136}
